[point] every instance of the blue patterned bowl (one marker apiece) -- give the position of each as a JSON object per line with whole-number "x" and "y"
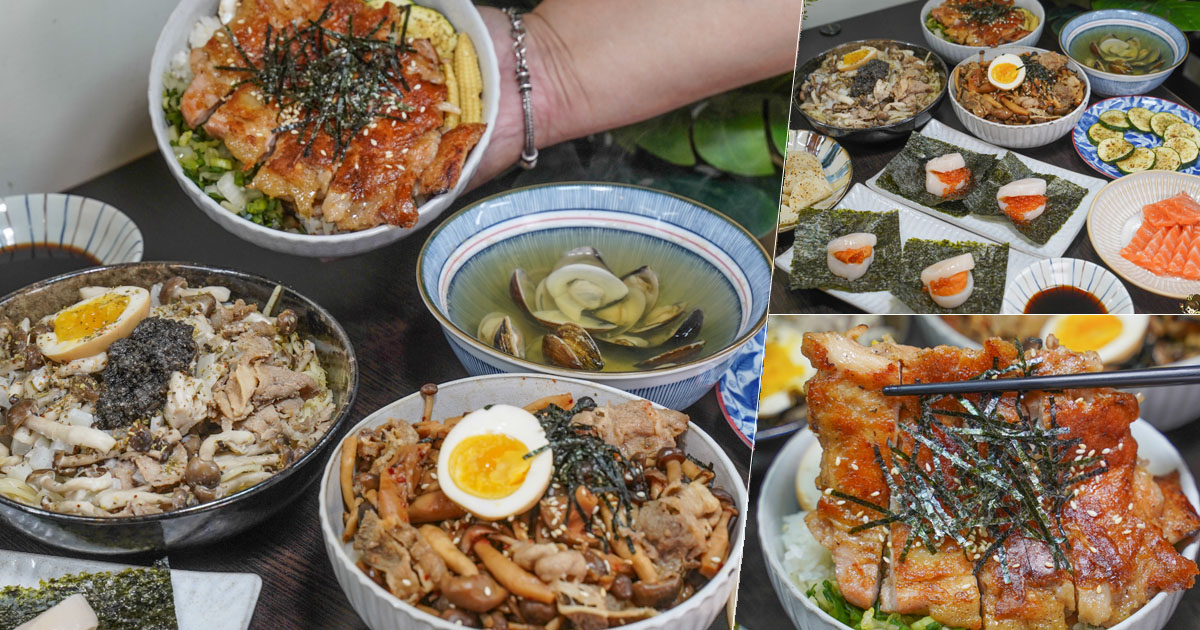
{"x": 737, "y": 391}
{"x": 1087, "y": 150}
{"x": 1068, "y": 272}
{"x": 579, "y": 213}
{"x": 1108, "y": 83}
{"x": 835, "y": 163}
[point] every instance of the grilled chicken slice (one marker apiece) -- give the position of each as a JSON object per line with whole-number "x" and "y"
{"x": 442, "y": 174}
{"x": 851, "y": 418}
{"x": 940, "y": 584}
{"x": 246, "y": 123}
{"x": 296, "y": 172}
{"x": 1037, "y": 596}
{"x": 1168, "y": 507}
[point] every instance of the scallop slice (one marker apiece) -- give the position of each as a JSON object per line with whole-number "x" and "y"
{"x": 1026, "y": 210}
{"x": 844, "y": 255}
{"x": 935, "y": 170}
{"x": 943, "y": 280}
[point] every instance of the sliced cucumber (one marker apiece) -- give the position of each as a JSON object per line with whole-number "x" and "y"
{"x": 1160, "y": 121}
{"x": 1097, "y": 133}
{"x": 1166, "y": 159}
{"x": 1114, "y": 149}
{"x": 1115, "y": 119}
{"x": 1140, "y": 117}
{"x": 1182, "y": 130}
{"x": 1187, "y": 149}
{"x": 1142, "y": 159}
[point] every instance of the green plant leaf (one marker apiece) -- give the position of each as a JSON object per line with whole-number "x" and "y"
{"x": 730, "y": 134}
{"x": 777, "y": 118}
{"x": 666, "y": 137}
{"x": 741, "y": 200}
{"x": 1182, "y": 13}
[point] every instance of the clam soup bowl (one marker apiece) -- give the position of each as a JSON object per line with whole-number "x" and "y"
{"x": 225, "y": 517}
{"x": 1112, "y": 84}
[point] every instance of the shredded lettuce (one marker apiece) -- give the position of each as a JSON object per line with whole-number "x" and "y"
{"x": 827, "y": 596}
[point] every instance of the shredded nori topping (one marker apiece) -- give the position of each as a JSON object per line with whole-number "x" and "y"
{"x": 139, "y": 366}
{"x": 814, "y": 230}
{"x": 866, "y": 76}
{"x": 991, "y": 269}
{"x": 138, "y": 598}
{"x": 1062, "y": 198}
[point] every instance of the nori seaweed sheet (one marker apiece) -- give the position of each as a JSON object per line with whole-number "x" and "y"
{"x": 991, "y": 271}
{"x": 814, "y": 230}
{"x": 1062, "y": 198}
{"x": 905, "y": 174}
{"x": 138, "y": 598}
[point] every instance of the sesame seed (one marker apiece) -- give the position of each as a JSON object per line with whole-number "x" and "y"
{"x": 1092, "y": 513}
{"x": 1048, "y": 565}
{"x": 838, "y": 461}
{"x": 841, "y": 502}
{"x": 406, "y": 582}
{"x": 828, "y": 491}
{"x": 875, "y": 494}
{"x": 1117, "y": 519}
{"x": 715, "y": 558}
{"x": 1127, "y": 532}
{"x": 853, "y": 466}
{"x": 373, "y": 143}
{"x": 387, "y": 154}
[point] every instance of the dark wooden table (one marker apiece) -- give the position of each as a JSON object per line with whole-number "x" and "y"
{"x": 758, "y": 605}
{"x": 399, "y": 345}
{"x": 902, "y": 23}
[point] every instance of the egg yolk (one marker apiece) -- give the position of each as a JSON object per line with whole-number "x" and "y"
{"x": 778, "y": 369}
{"x": 1005, "y": 72}
{"x": 489, "y": 466}
{"x": 1087, "y": 332}
{"x": 855, "y": 57}
{"x": 84, "y": 320}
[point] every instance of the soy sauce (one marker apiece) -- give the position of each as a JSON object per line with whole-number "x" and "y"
{"x": 1064, "y": 299}
{"x": 24, "y": 264}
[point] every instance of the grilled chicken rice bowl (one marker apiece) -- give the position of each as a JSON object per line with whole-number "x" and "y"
{"x": 141, "y": 400}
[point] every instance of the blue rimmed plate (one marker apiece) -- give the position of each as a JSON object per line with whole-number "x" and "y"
{"x": 737, "y": 391}
{"x": 1087, "y": 150}
{"x": 835, "y": 163}
{"x": 1069, "y": 272}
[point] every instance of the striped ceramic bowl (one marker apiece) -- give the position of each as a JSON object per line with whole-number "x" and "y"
{"x": 1106, "y": 20}
{"x": 835, "y": 163}
{"x": 777, "y": 499}
{"x": 576, "y": 214}
{"x": 1067, "y": 272}
{"x": 81, "y": 225}
{"x": 380, "y": 610}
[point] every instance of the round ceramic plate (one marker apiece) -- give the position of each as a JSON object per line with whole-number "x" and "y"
{"x": 835, "y": 162}
{"x": 1116, "y": 214}
{"x": 1072, "y": 272}
{"x": 1087, "y": 150}
{"x": 737, "y": 391}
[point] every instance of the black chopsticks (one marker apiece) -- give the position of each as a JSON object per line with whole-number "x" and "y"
{"x": 1152, "y": 377}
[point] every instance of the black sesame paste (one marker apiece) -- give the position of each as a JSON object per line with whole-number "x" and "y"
{"x": 139, "y": 366}
{"x": 868, "y": 75}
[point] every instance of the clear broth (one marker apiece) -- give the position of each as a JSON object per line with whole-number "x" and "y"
{"x": 24, "y": 264}
{"x": 481, "y": 287}
{"x": 1081, "y": 47}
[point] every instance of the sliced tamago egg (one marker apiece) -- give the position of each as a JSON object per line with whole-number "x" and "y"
{"x": 90, "y": 326}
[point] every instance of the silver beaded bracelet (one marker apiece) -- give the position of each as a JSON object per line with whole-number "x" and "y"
{"x": 529, "y": 154}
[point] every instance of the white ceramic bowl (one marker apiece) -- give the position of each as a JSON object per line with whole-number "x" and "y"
{"x": 174, "y": 38}
{"x": 86, "y": 225}
{"x": 777, "y": 499}
{"x": 955, "y": 53}
{"x": 1116, "y": 215}
{"x": 380, "y": 610}
{"x": 571, "y": 214}
{"x": 1164, "y": 407}
{"x": 1058, "y": 272}
{"x": 1018, "y": 136}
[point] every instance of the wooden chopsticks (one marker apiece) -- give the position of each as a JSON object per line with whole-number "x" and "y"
{"x": 1152, "y": 377}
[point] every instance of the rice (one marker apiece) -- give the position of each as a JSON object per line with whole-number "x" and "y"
{"x": 804, "y": 559}
{"x": 203, "y": 30}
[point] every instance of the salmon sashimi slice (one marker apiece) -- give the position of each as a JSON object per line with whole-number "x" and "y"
{"x": 1168, "y": 241}
{"x": 852, "y": 420}
{"x": 1178, "y": 210}
{"x": 297, "y": 171}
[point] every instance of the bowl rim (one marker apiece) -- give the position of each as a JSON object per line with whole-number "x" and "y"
{"x": 304, "y": 461}
{"x": 778, "y": 573}
{"x": 1034, "y": 7}
{"x": 134, "y": 251}
{"x": 1106, "y": 259}
{"x": 727, "y": 571}
{"x": 448, "y": 325}
{"x": 799, "y": 80}
{"x": 157, "y": 118}
{"x": 1079, "y": 109}
{"x": 1133, "y": 18}
{"x": 1051, "y": 265}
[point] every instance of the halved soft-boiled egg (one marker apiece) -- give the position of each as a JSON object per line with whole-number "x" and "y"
{"x": 857, "y": 58}
{"x": 1115, "y": 338}
{"x": 1023, "y": 200}
{"x": 785, "y": 369}
{"x": 1006, "y": 71}
{"x": 947, "y": 175}
{"x": 950, "y": 281}
{"x": 483, "y": 465}
{"x": 850, "y": 256}
{"x": 90, "y": 326}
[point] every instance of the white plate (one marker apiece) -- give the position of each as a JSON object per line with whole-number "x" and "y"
{"x": 203, "y": 600}
{"x": 913, "y": 224}
{"x": 999, "y": 228}
{"x": 777, "y": 499}
{"x": 1116, "y": 215}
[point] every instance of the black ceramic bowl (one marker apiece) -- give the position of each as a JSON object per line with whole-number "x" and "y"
{"x": 884, "y": 133}
{"x": 211, "y": 521}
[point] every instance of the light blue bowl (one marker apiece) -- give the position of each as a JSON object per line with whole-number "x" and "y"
{"x": 705, "y": 234}
{"x": 1111, "y": 84}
